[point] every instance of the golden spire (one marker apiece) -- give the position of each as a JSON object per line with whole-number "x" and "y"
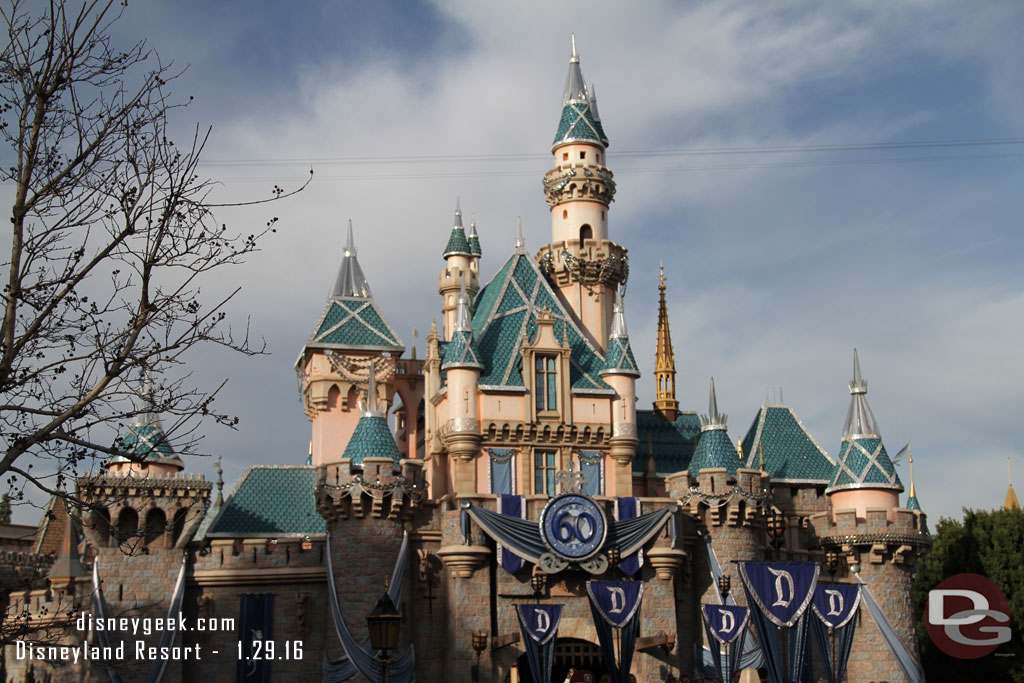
{"x": 665, "y": 403}
{"x": 1011, "y": 502}
{"x": 913, "y": 491}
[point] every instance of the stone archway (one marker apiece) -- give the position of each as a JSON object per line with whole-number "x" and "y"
{"x": 570, "y": 653}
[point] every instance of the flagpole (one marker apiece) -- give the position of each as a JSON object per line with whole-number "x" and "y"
{"x": 784, "y": 642}
{"x": 835, "y": 664}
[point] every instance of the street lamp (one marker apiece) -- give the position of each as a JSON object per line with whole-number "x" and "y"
{"x": 832, "y": 562}
{"x": 724, "y": 586}
{"x": 538, "y": 582}
{"x": 614, "y": 556}
{"x": 479, "y": 645}
{"x": 384, "y": 623}
{"x": 776, "y": 527}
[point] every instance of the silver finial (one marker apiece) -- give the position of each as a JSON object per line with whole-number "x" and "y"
{"x": 462, "y": 320}
{"x": 371, "y": 394}
{"x": 458, "y": 212}
{"x": 472, "y": 229}
{"x": 573, "y": 57}
{"x": 618, "y": 318}
{"x": 350, "y": 282}
{"x": 350, "y": 242}
{"x": 858, "y": 385}
{"x": 714, "y": 419}
{"x": 520, "y": 240}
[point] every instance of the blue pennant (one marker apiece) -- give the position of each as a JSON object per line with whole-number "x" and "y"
{"x": 836, "y": 603}
{"x": 725, "y": 622}
{"x": 539, "y": 622}
{"x": 782, "y": 590}
{"x": 616, "y": 601}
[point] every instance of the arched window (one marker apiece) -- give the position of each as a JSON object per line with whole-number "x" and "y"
{"x": 156, "y": 525}
{"x": 565, "y": 214}
{"x": 586, "y": 232}
{"x": 100, "y": 520}
{"x": 127, "y": 525}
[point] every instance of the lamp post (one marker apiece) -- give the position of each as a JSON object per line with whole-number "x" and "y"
{"x": 775, "y": 524}
{"x": 479, "y": 645}
{"x": 538, "y": 582}
{"x": 724, "y": 586}
{"x": 384, "y": 623}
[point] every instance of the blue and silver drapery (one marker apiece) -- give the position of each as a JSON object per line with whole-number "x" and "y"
{"x": 751, "y": 656}
{"x": 726, "y": 628}
{"x": 629, "y": 508}
{"x": 911, "y": 667}
{"x": 616, "y": 604}
{"x": 255, "y": 623}
{"x": 835, "y": 606}
{"x": 523, "y": 537}
{"x": 156, "y": 669}
{"x": 359, "y": 658}
{"x": 514, "y": 506}
{"x": 539, "y": 627}
{"x": 779, "y": 594}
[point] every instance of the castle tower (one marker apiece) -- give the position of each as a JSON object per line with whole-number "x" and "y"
{"x": 145, "y": 447}
{"x": 462, "y": 264}
{"x": 665, "y": 403}
{"x": 351, "y": 335}
{"x": 714, "y": 448}
{"x": 912, "y": 502}
{"x": 582, "y": 264}
{"x": 620, "y": 372}
{"x": 864, "y": 476}
{"x": 880, "y": 540}
{"x": 462, "y": 364}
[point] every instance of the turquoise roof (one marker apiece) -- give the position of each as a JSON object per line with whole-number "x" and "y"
{"x": 461, "y": 352}
{"x": 864, "y": 463}
{"x": 671, "y": 443}
{"x": 790, "y": 452}
{"x": 145, "y": 442}
{"x": 912, "y": 503}
{"x": 474, "y": 245}
{"x": 458, "y": 243}
{"x": 620, "y": 360}
{"x": 372, "y": 438}
{"x": 506, "y": 318}
{"x": 354, "y": 323}
{"x": 714, "y": 449}
{"x": 271, "y": 500}
{"x": 578, "y": 124}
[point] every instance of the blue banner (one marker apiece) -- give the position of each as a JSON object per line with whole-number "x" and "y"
{"x": 725, "y": 626}
{"x": 513, "y": 506}
{"x": 629, "y": 508}
{"x": 836, "y": 603}
{"x": 616, "y": 601}
{"x": 616, "y": 604}
{"x": 539, "y": 626}
{"x": 725, "y": 623}
{"x": 781, "y": 590}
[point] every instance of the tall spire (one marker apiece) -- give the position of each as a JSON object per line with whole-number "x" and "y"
{"x": 350, "y": 283}
{"x": 145, "y": 438}
{"x": 912, "y": 502}
{"x": 370, "y": 409}
{"x": 520, "y": 240}
{"x": 579, "y": 121}
{"x": 220, "y": 483}
{"x": 463, "y": 322}
{"x": 1011, "y": 502}
{"x": 859, "y": 419}
{"x": 665, "y": 403}
{"x": 474, "y": 240}
{"x": 619, "y": 359}
{"x": 714, "y": 419}
{"x": 461, "y": 350}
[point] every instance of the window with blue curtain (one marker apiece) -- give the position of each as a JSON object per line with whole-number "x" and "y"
{"x": 591, "y": 465}
{"x": 502, "y": 470}
{"x": 544, "y": 473}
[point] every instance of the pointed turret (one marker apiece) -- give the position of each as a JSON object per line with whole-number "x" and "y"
{"x": 474, "y": 240}
{"x": 714, "y": 447}
{"x": 458, "y": 243}
{"x": 912, "y": 502}
{"x": 665, "y": 403}
{"x": 1011, "y": 502}
{"x": 68, "y": 565}
{"x": 863, "y": 462}
{"x": 619, "y": 360}
{"x": 372, "y": 437}
{"x": 579, "y": 122}
{"x": 145, "y": 445}
{"x": 461, "y": 350}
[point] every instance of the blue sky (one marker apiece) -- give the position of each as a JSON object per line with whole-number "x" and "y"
{"x": 778, "y": 263}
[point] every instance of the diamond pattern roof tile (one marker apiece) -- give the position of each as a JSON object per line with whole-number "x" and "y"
{"x": 372, "y": 438}
{"x": 715, "y": 449}
{"x": 270, "y": 500}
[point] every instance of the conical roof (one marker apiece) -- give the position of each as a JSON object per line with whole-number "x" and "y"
{"x": 580, "y": 121}
{"x": 372, "y": 437}
{"x": 68, "y": 564}
{"x": 862, "y": 462}
{"x": 714, "y": 447}
{"x": 619, "y": 359}
{"x": 351, "y": 320}
{"x": 461, "y": 350}
{"x": 474, "y": 240}
{"x": 145, "y": 438}
{"x": 458, "y": 243}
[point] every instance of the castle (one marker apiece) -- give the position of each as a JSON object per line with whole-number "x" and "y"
{"x": 528, "y": 386}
